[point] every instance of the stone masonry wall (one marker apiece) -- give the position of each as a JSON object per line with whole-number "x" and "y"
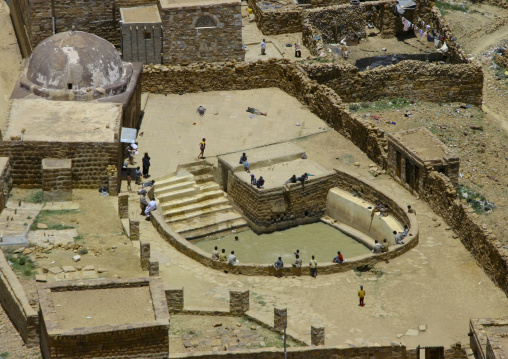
{"x": 185, "y": 42}
{"x": 89, "y": 161}
{"x": 99, "y": 17}
{"x": 15, "y": 303}
{"x": 274, "y": 209}
{"x": 407, "y": 79}
{"x": 57, "y": 180}
{"x": 275, "y": 22}
{"x": 5, "y": 184}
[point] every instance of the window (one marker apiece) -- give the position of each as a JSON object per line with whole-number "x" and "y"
{"x": 147, "y": 35}
{"x": 399, "y": 163}
{"x": 206, "y": 21}
{"x": 69, "y": 86}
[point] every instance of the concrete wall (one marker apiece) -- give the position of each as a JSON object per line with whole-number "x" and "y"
{"x": 353, "y": 212}
{"x": 15, "y": 303}
{"x": 186, "y": 42}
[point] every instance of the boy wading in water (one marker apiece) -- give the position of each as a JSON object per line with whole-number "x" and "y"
{"x": 202, "y": 146}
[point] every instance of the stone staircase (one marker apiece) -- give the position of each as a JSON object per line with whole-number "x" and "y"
{"x": 194, "y": 205}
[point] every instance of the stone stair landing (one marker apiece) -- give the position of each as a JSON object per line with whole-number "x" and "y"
{"x": 194, "y": 205}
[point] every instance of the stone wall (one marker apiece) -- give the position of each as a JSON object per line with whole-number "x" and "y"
{"x": 202, "y": 33}
{"x": 89, "y": 161}
{"x": 268, "y": 210}
{"x": 5, "y": 182}
{"x": 275, "y": 22}
{"x": 378, "y": 352}
{"x": 15, "y": 303}
{"x": 56, "y": 180}
{"x": 21, "y": 24}
{"x": 440, "y": 193}
{"x": 130, "y": 340}
{"x": 407, "y": 79}
{"x": 99, "y": 17}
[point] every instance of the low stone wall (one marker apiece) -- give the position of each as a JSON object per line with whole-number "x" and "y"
{"x": 15, "y": 303}
{"x": 407, "y": 79}
{"x": 377, "y": 352}
{"x": 129, "y": 340}
{"x": 89, "y": 161}
{"x": 5, "y": 182}
{"x": 488, "y": 251}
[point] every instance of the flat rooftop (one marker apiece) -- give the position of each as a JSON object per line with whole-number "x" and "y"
{"x": 62, "y": 121}
{"x": 98, "y": 307}
{"x": 427, "y": 146}
{"x": 172, "y": 129}
{"x": 140, "y": 14}
{"x": 168, "y": 4}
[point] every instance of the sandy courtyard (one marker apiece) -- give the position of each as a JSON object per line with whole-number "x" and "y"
{"x": 172, "y": 129}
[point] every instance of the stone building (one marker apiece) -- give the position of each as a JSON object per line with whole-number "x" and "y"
{"x": 412, "y": 152}
{"x": 142, "y": 34}
{"x": 70, "y": 103}
{"x": 202, "y": 30}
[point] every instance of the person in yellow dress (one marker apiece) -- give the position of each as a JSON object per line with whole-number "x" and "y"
{"x": 361, "y": 295}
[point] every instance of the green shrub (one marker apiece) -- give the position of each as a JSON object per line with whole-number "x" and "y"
{"x": 34, "y": 197}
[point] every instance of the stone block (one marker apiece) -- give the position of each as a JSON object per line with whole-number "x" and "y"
{"x": 280, "y": 315}
{"x": 174, "y": 298}
{"x": 144, "y": 249}
{"x": 123, "y": 205}
{"x": 317, "y": 335}
{"x": 56, "y": 179}
{"x": 133, "y": 230}
{"x": 153, "y": 268}
{"x": 238, "y": 302}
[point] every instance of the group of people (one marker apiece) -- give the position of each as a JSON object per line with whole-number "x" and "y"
{"x": 302, "y": 179}
{"x": 298, "y": 50}
{"x": 382, "y": 208}
{"x": 259, "y": 183}
{"x": 223, "y": 257}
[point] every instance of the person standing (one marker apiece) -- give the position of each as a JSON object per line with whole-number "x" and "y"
{"x": 263, "y": 47}
{"x": 201, "y": 110}
{"x": 361, "y": 296}
{"x": 313, "y": 266}
{"x": 138, "y": 175}
{"x": 129, "y": 180}
{"x": 146, "y": 165}
{"x": 298, "y": 51}
{"x": 202, "y": 146}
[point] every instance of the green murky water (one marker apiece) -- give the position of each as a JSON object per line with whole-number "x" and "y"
{"x": 317, "y": 239}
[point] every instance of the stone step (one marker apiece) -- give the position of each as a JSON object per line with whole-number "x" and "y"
{"x": 179, "y": 194}
{"x": 192, "y": 164}
{"x": 161, "y": 190}
{"x": 190, "y": 200}
{"x": 204, "y": 178}
{"x": 199, "y": 170}
{"x": 203, "y": 205}
{"x": 208, "y": 186}
{"x": 217, "y": 230}
{"x": 183, "y": 176}
{"x": 205, "y": 221}
{"x": 188, "y": 215}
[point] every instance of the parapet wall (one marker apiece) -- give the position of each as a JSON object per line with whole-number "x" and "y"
{"x": 407, "y": 79}
{"x": 15, "y": 303}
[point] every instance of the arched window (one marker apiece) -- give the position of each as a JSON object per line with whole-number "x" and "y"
{"x": 206, "y": 21}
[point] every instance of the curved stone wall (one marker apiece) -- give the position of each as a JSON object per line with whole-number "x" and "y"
{"x": 348, "y": 182}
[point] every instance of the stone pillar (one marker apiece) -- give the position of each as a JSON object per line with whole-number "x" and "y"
{"x": 317, "y": 335}
{"x": 279, "y": 316}
{"x": 144, "y": 249}
{"x": 133, "y": 230}
{"x": 123, "y": 205}
{"x": 113, "y": 185}
{"x": 238, "y": 302}
{"x": 174, "y": 298}
{"x": 56, "y": 179}
{"x": 153, "y": 268}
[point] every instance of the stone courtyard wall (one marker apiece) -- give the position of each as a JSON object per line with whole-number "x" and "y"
{"x": 407, "y": 79}
{"x": 89, "y": 161}
{"x": 99, "y": 17}
{"x": 185, "y": 41}
{"x": 15, "y": 303}
{"x": 275, "y": 22}
{"x": 5, "y": 184}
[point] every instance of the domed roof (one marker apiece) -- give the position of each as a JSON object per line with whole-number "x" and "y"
{"x": 74, "y": 60}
